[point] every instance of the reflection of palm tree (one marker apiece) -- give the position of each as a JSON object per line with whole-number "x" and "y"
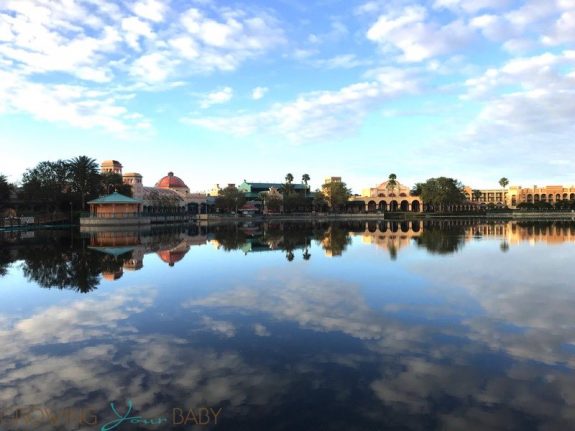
{"x": 392, "y": 251}
{"x": 5, "y": 261}
{"x": 290, "y": 256}
{"x": 70, "y": 266}
{"x": 306, "y": 254}
{"x": 504, "y": 246}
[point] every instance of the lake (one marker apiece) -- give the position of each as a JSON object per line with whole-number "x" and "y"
{"x": 424, "y": 325}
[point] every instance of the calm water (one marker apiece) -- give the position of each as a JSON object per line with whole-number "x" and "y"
{"x": 351, "y": 326}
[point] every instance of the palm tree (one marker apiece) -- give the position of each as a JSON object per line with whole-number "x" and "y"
{"x": 392, "y": 182}
{"x": 503, "y": 182}
{"x": 84, "y": 176}
{"x": 305, "y": 178}
{"x": 289, "y": 179}
{"x": 476, "y": 194}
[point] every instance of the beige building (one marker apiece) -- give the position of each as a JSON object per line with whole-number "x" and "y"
{"x": 111, "y": 167}
{"x": 385, "y": 197}
{"x": 329, "y": 180}
{"x": 514, "y": 195}
{"x": 169, "y": 194}
{"x": 488, "y": 196}
{"x": 550, "y": 194}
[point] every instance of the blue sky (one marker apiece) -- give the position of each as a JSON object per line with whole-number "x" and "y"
{"x": 221, "y": 91}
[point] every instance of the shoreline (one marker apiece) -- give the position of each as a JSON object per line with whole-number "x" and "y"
{"x": 399, "y": 217}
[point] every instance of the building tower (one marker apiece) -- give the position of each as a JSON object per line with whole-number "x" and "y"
{"x": 134, "y": 180}
{"x": 111, "y": 167}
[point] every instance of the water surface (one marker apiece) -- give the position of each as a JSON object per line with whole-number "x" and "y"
{"x": 447, "y": 325}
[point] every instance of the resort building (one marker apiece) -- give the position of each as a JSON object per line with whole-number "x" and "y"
{"x": 549, "y": 194}
{"x": 514, "y": 195}
{"x": 329, "y": 180}
{"x": 115, "y": 206}
{"x": 171, "y": 182}
{"x": 252, "y": 190}
{"x": 114, "y": 209}
{"x": 170, "y": 194}
{"x": 496, "y": 197}
{"x": 389, "y": 197}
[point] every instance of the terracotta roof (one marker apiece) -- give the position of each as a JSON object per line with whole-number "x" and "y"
{"x": 171, "y": 256}
{"x": 170, "y": 181}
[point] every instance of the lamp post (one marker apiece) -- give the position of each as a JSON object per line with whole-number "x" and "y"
{"x": 71, "y": 216}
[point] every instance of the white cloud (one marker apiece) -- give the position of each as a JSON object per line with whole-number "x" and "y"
{"x": 317, "y": 115}
{"x": 526, "y": 104}
{"x": 259, "y": 92}
{"x": 342, "y": 61}
{"x": 411, "y": 32}
{"x": 153, "y": 10}
{"x": 217, "y": 97}
{"x": 227, "y": 329}
{"x": 563, "y": 30}
{"x": 100, "y": 43}
{"x": 471, "y": 6}
{"x": 73, "y": 104}
{"x": 134, "y": 28}
{"x": 154, "y": 67}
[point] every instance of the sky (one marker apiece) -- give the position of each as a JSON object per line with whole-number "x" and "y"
{"x": 221, "y": 91}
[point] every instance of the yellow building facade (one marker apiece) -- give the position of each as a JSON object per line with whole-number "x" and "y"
{"x": 385, "y": 197}
{"x": 514, "y": 195}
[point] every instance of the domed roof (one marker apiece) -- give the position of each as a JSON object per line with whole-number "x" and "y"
{"x": 114, "y": 163}
{"x": 175, "y": 254}
{"x": 170, "y": 181}
{"x": 171, "y": 257}
{"x": 112, "y": 276}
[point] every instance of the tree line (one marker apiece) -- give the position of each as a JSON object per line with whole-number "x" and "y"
{"x": 332, "y": 196}
{"x": 62, "y": 185}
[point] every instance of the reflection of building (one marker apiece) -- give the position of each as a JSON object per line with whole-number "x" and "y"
{"x": 128, "y": 249}
{"x": 175, "y": 254}
{"x": 112, "y": 275}
{"x": 391, "y": 236}
{"x": 386, "y": 197}
{"x": 515, "y": 232}
{"x": 136, "y": 261}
